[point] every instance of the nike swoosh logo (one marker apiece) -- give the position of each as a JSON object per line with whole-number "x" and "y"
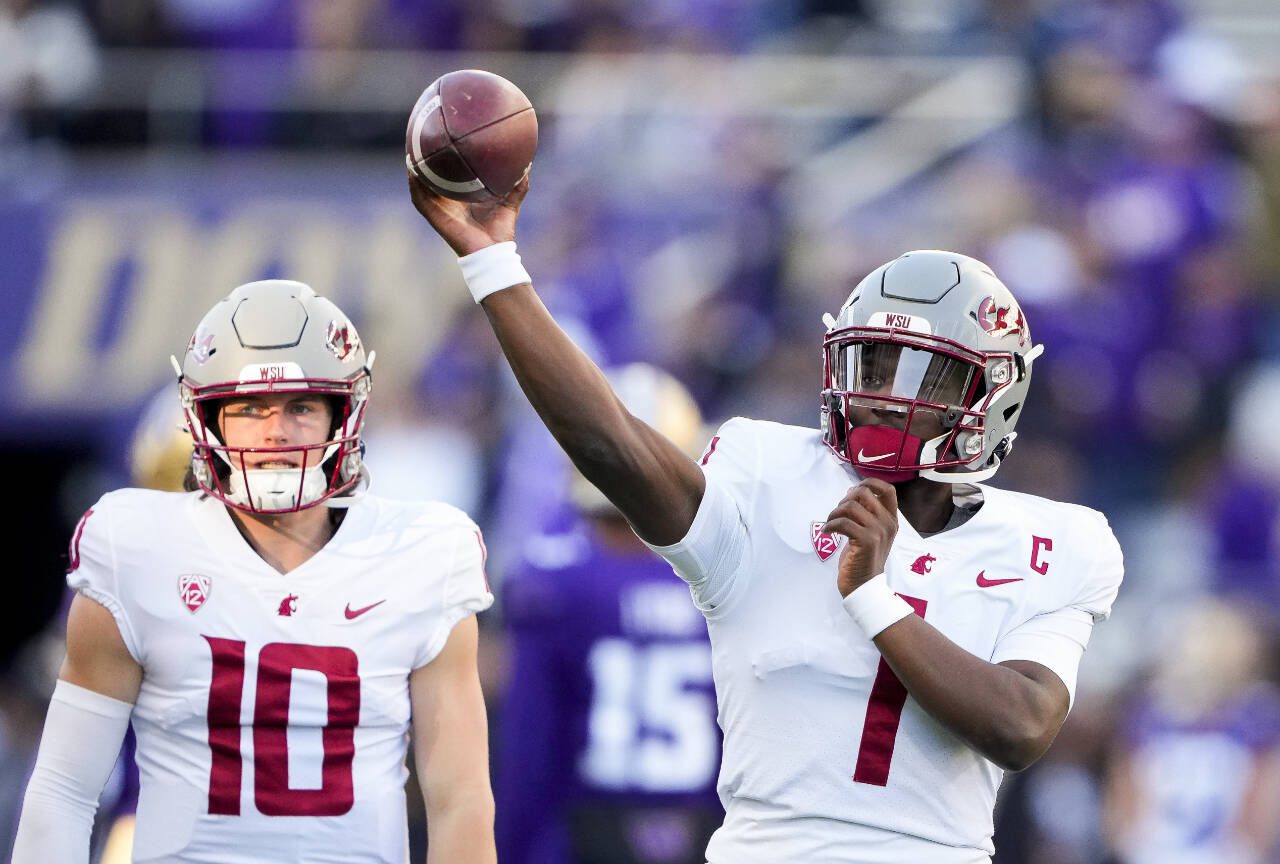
{"x": 356, "y": 613}
{"x": 863, "y": 457}
{"x": 984, "y": 582}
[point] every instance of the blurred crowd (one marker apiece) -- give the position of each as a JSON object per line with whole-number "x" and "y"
{"x": 1132, "y": 205}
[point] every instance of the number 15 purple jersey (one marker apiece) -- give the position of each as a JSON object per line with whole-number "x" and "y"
{"x": 609, "y": 709}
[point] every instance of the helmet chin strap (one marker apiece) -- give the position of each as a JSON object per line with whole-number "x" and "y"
{"x": 276, "y": 488}
{"x": 363, "y": 483}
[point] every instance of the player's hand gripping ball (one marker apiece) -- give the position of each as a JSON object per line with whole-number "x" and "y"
{"x": 471, "y": 136}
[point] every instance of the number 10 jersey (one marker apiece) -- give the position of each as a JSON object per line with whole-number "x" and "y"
{"x": 272, "y": 721}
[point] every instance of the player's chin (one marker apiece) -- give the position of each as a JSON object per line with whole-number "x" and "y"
{"x": 888, "y": 475}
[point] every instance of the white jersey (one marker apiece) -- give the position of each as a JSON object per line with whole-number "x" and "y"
{"x": 273, "y": 718}
{"x": 826, "y": 757}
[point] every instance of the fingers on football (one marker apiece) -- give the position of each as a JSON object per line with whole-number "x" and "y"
{"x": 513, "y": 199}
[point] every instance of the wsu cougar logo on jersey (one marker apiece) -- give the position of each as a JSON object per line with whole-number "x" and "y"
{"x": 923, "y": 564}
{"x": 193, "y": 588}
{"x": 288, "y": 606}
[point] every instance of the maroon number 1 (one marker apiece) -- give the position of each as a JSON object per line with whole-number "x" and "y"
{"x": 884, "y": 712}
{"x": 271, "y": 791}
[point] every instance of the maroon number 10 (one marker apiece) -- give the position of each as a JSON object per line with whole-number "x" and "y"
{"x": 271, "y": 792}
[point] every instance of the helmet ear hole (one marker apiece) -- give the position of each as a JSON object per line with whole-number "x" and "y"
{"x": 1011, "y": 410}
{"x": 1002, "y": 449}
{"x": 207, "y": 412}
{"x": 838, "y": 429}
{"x": 337, "y": 413}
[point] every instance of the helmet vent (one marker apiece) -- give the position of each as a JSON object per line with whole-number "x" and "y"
{"x": 922, "y": 278}
{"x": 1011, "y": 410}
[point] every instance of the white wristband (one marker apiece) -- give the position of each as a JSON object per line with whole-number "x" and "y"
{"x": 873, "y": 606}
{"x": 492, "y": 269}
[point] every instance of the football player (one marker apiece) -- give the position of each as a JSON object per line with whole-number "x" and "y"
{"x": 888, "y": 634}
{"x": 608, "y": 743}
{"x": 274, "y": 635}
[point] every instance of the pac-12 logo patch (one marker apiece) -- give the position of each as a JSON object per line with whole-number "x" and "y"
{"x": 824, "y": 544}
{"x": 193, "y": 589}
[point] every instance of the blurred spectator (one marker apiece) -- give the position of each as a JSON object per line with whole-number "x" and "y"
{"x": 48, "y": 61}
{"x": 1243, "y": 504}
{"x": 1196, "y": 779}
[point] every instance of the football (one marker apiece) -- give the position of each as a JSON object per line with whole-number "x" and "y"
{"x": 471, "y": 135}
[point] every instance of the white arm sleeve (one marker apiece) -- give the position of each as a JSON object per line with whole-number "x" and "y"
{"x": 83, "y": 732}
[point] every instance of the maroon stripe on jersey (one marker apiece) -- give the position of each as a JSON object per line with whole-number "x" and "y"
{"x": 884, "y": 712}
{"x": 226, "y": 689}
{"x": 706, "y": 457}
{"x": 73, "y": 551}
{"x": 484, "y": 559}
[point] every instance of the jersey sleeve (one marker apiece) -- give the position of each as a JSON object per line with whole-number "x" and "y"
{"x": 465, "y": 590}
{"x": 711, "y": 554}
{"x": 1058, "y": 638}
{"x": 92, "y": 570}
{"x": 1099, "y": 590}
{"x": 1054, "y": 639}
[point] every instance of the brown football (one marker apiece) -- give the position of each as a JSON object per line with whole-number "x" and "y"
{"x": 471, "y": 135}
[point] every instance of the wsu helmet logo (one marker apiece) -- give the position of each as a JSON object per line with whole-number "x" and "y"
{"x": 201, "y": 346}
{"x": 995, "y": 320}
{"x": 193, "y": 590}
{"x": 341, "y": 339}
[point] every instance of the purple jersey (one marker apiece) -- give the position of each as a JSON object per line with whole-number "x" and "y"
{"x": 1193, "y": 776}
{"x": 609, "y": 722}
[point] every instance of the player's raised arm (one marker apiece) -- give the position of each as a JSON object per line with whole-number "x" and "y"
{"x": 655, "y": 485}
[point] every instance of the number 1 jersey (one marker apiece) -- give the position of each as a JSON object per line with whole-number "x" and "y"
{"x": 826, "y": 757}
{"x": 273, "y": 717}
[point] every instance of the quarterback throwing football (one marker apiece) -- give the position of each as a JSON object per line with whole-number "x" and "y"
{"x": 276, "y": 634}
{"x": 888, "y": 634}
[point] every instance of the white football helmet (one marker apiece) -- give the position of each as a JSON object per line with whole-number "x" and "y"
{"x": 269, "y": 337}
{"x": 926, "y": 369}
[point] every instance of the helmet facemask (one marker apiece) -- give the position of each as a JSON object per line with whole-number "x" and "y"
{"x": 276, "y": 337}
{"x": 897, "y": 404}
{"x": 324, "y": 471}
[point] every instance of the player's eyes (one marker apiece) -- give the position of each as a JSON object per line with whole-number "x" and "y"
{"x": 245, "y": 410}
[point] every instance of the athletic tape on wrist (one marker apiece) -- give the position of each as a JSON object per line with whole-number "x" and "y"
{"x": 873, "y": 606}
{"x": 493, "y": 268}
